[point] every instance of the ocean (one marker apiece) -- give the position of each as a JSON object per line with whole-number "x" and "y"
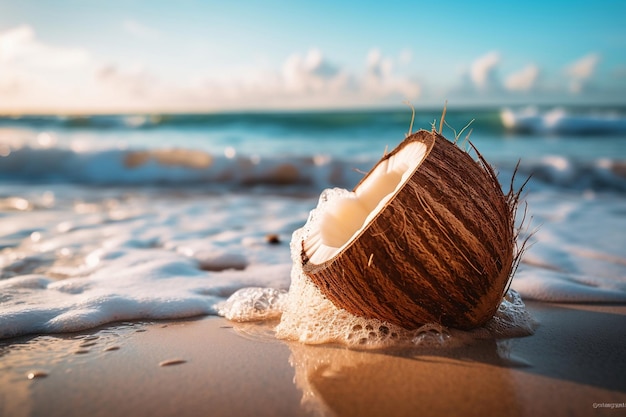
{"x": 106, "y": 218}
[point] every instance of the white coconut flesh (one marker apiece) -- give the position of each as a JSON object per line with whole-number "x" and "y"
{"x": 345, "y": 218}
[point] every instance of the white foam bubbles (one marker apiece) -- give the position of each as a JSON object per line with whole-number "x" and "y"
{"x": 253, "y": 303}
{"x": 172, "y": 258}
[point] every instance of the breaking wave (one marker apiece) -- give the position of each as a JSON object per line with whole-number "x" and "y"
{"x": 184, "y": 167}
{"x": 561, "y": 121}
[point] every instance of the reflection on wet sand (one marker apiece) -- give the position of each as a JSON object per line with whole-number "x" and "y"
{"x": 471, "y": 379}
{"x": 336, "y": 381}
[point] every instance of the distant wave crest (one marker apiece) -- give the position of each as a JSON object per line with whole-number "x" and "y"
{"x": 561, "y": 121}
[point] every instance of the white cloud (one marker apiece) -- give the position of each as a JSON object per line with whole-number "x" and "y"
{"x": 52, "y": 76}
{"x": 522, "y": 80}
{"x": 311, "y": 80}
{"x": 38, "y": 75}
{"x": 380, "y": 79}
{"x": 20, "y": 47}
{"x": 312, "y": 74}
{"x": 136, "y": 81}
{"x": 406, "y": 56}
{"x": 482, "y": 70}
{"x": 12, "y": 42}
{"x": 139, "y": 29}
{"x": 377, "y": 66}
{"x": 581, "y": 71}
{"x": 478, "y": 81}
{"x": 584, "y": 67}
{"x": 9, "y": 84}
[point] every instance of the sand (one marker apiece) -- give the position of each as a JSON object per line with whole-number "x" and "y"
{"x": 212, "y": 367}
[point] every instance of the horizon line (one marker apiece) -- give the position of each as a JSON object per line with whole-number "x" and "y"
{"x": 294, "y": 110}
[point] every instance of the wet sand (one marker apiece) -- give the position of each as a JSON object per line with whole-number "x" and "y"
{"x": 212, "y": 367}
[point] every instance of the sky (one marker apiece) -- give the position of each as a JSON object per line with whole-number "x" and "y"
{"x": 88, "y": 56}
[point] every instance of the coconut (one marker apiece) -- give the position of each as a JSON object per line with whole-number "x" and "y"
{"x": 427, "y": 236}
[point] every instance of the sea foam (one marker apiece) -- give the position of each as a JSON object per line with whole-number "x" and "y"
{"x": 136, "y": 285}
{"x": 136, "y": 260}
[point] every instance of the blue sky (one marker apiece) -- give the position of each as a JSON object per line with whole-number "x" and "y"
{"x": 93, "y": 56}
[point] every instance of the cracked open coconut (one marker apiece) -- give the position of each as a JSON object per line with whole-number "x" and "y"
{"x": 426, "y": 236}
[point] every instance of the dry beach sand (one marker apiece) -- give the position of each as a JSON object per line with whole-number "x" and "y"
{"x": 574, "y": 365}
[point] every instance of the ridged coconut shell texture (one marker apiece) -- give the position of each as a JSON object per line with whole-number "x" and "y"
{"x": 441, "y": 250}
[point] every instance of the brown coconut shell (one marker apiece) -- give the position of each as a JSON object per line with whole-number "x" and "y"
{"x": 441, "y": 250}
